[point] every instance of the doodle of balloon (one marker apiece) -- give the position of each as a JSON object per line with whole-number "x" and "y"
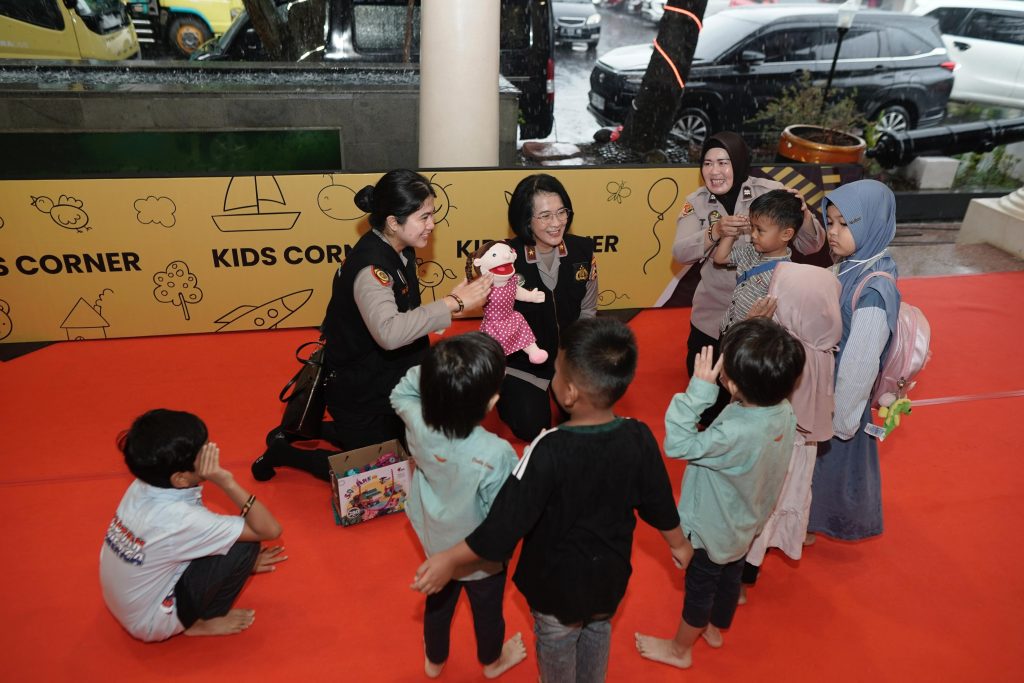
{"x": 662, "y": 196}
{"x": 338, "y": 202}
{"x": 609, "y": 296}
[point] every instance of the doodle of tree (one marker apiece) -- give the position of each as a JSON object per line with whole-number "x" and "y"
{"x": 177, "y": 286}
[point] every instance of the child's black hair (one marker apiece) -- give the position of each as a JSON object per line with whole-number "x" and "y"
{"x": 763, "y": 359}
{"x": 457, "y": 380}
{"x": 780, "y": 207}
{"x": 600, "y": 354}
{"x": 161, "y": 443}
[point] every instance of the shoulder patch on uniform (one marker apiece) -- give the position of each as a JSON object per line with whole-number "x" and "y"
{"x": 593, "y": 267}
{"x": 687, "y": 209}
{"x": 381, "y": 275}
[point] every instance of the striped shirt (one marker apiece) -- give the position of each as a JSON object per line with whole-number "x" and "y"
{"x": 748, "y": 290}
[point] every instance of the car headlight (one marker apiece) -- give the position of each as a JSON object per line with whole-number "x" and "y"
{"x": 235, "y": 11}
{"x": 594, "y": 19}
{"x": 635, "y": 78}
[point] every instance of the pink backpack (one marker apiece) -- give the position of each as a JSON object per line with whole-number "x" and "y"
{"x": 909, "y": 350}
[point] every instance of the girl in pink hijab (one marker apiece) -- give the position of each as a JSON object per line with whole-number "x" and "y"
{"x": 808, "y": 307}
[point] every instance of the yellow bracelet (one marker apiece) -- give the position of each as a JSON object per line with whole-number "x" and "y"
{"x": 248, "y": 505}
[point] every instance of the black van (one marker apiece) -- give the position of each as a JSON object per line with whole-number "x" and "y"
{"x": 374, "y": 31}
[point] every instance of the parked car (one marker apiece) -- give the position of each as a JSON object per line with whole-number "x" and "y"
{"x": 182, "y": 24}
{"x": 374, "y": 31}
{"x": 986, "y": 38}
{"x": 894, "y": 64}
{"x": 576, "y": 21}
{"x": 50, "y": 29}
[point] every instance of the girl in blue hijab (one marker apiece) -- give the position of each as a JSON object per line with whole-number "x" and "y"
{"x": 847, "y": 486}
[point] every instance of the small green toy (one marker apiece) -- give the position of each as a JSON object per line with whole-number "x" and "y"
{"x": 891, "y": 413}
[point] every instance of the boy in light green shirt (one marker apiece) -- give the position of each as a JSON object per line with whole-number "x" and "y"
{"x": 460, "y": 467}
{"x": 734, "y": 474}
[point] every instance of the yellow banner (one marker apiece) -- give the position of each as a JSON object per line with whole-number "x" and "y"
{"x": 126, "y": 257}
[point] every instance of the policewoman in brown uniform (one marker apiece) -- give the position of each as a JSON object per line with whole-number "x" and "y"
{"x": 375, "y": 328}
{"x": 720, "y": 208}
{"x": 563, "y": 267}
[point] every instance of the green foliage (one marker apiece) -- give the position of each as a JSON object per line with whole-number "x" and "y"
{"x": 986, "y": 170}
{"x": 800, "y": 103}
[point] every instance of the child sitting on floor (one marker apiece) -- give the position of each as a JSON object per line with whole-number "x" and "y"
{"x": 168, "y": 564}
{"x": 572, "y": 499}
{"x": 460, "y": 467}
{"x": 734, "y": 473}
{"x": 775, "y": 219}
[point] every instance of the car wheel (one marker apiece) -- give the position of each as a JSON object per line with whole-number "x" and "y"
{"x": 691, "y": 128}
{"x": 188, "y": 33}
{"x": 893, "y": 118}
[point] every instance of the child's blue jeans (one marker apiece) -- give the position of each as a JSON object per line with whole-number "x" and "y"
{"x": 575, "y": 652}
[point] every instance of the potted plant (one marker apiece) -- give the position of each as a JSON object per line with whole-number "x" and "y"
{"x": 812, "y": 132}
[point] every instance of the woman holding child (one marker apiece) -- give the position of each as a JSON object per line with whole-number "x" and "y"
{"x": 375, "y": 328}
{"x": 562, "y": 266}
{"x": 718, "y": 209}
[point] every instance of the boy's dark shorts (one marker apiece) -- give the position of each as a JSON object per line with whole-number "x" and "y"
{"x": 712, "y": 591}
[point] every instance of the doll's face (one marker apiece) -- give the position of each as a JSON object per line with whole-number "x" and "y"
{"x": 498, "y": 262}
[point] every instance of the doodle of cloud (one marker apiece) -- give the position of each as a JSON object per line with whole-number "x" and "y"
{"x": 155, "y": 210}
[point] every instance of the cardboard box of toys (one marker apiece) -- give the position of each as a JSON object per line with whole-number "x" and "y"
{"x": 370, "y": 482}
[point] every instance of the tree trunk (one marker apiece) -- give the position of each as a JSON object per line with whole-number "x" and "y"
{"x": 407, "y": 43}
{"x": 272, "y": 32}
{"x": 654, "y": 110}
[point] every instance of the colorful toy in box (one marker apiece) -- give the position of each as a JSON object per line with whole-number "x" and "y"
{"x": 501, "y": 320}
{"x": 369, "y": 482}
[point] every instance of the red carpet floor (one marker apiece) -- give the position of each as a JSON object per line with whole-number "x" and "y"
{"x": 935, "y": 598}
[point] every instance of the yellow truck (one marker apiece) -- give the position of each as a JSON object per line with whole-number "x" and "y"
{"x": 182, "y": 25}
{"x": 67, "y": 29}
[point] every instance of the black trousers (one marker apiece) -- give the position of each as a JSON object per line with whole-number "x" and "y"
{"x": 694, "y": 344}
{"x": 210, "y": 585}
{"x": 485, "y": 602}
{"x": 712, "y": 591}
{"x": 525, "y": 408}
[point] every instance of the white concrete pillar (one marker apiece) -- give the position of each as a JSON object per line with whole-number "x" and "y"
{"x": 998, "y": 221}
{"x": 459, "y": 50}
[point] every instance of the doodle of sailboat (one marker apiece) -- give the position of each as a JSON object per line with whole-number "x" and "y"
{"x": 245, "y": 210}
{"x": 266, "y": 316}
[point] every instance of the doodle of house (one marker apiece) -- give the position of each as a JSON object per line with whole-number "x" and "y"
{"x": 84, "y": 322}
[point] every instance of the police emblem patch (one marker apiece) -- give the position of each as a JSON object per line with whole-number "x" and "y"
{"x": 381, "y": 276}
{"x": 582, "y": 274}
{"x": 687, "y": 209}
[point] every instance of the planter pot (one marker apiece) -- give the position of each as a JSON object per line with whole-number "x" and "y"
{"x": 817, "y": 145}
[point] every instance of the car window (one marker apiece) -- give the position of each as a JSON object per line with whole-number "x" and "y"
{"x": 378, "y": 27}
{"x": 903, "y": 43}
{"x": 787, "y": 45}
{"x": 950, "y": 18}
{"x": 858, "y": 43}
{"x": 1003, "y": 27}
{"x": 36, "y": 12}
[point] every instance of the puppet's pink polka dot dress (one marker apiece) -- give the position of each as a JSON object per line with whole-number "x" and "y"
{"x": 503, "y": 322}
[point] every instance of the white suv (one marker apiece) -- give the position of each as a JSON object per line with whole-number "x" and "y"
{"x": 986, "y": 38}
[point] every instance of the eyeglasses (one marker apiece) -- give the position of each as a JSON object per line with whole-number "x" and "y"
{"x": 562, "y": 215}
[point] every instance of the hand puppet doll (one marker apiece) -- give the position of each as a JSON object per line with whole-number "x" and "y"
{"x": 501, "y": 320}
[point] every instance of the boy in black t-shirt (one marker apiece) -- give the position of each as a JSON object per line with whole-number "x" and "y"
{"x": 572, "y": 499}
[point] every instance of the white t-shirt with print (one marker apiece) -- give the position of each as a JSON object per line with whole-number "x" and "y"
{"x": 152, "y": 538}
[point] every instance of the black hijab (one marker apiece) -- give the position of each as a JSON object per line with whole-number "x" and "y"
{"x": 739, "y": 155}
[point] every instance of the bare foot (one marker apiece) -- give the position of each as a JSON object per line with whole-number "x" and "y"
{"x": 432, "y": 670}
{"x": 235, "y": 621}
{"x": 712, "y": 636}
{"x": 810, "y": 538}
{"x": 743, "y": 595}
{"x": 663, "y": 650}
{"x": 512, "y": 652}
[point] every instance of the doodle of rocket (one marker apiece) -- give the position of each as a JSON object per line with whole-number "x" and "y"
{"x": 265, "y": 316}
